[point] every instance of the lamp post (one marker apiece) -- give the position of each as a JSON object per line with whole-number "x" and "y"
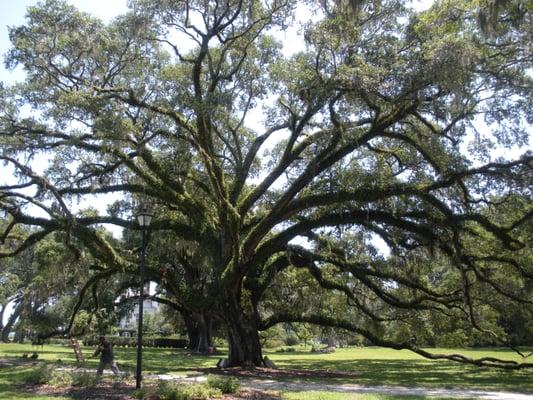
{"x": 144, "y": 218}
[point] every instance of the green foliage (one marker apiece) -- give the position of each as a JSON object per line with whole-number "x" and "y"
{"x": 457, "y": 338}
{"x": 197, "y": 391}
{"x": 39, "y": 375}
{"x": 47, "y": 374}
{"x": 156, "y": 324}
{"x": 84, "y": 378}
{"x": 170, "y": 391}
{"x": 226, "y": 384}
{"x": 139, "y": 393}
{"x": 286, "y": 350}
{"x": 292, "y": 340}
{"x": 166, "y": 390}
{"x": 61, "y": 379}
{"x": 272, "y": 337}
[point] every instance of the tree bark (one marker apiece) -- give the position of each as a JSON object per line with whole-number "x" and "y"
{"x": 204, "y": 339}
{"x": 198, "y": 327}
{"x": 192, "y": 331}
{"x": 243, "y": 337}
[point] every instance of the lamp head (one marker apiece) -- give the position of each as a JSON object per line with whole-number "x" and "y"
{"x": 144, "y": 217}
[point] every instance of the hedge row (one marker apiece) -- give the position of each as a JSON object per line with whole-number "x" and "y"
{"x": 119, "y": 341}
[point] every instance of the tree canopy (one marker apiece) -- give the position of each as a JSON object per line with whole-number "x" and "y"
{"x": 265, "y": 170}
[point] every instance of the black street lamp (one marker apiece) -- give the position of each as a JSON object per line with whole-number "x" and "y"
{"x": 144, "y": 218}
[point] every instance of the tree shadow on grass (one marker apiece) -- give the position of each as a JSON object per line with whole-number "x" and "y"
{"x": 420, "y": 373}
{"x": 12, "y": 378}
{"x": 410, "y": 372}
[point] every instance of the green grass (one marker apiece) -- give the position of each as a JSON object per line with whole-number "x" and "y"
{"x": 381, "y": 366}
{"x": 370, "y": 366}
{"x": 157, "y": 361}
{"x": 11, "y": 381}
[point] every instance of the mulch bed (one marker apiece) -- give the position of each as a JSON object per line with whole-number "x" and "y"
{"x": 122, "y": 391}
{"x": 111, "y": 391}
{"x": 103, "y": 391}
{"x": 270, "y": 373}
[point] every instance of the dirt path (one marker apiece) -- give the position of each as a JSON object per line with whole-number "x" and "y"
{"x": 298, "y": 386}
{"x": 390, "y": 390}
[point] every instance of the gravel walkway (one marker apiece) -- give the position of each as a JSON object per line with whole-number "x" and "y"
{"x": 295, "y": 386}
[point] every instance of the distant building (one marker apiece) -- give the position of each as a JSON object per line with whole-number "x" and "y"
{"x": 128, "y": 325}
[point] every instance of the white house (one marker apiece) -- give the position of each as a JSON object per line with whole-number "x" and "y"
{"x": 128, "y": 325}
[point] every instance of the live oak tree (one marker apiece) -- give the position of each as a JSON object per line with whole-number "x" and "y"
{"x": 259, "y": 163}
{"x": 41, "y": 284}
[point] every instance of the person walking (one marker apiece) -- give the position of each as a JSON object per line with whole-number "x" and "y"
{"x": 105, "y": 349}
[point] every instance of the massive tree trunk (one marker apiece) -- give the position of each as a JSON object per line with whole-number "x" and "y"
{"x": 243, "y": 336}
{"x": 192, "y": 331}
{"x": 204, "y": 333}
{"x": 198, "y": 330}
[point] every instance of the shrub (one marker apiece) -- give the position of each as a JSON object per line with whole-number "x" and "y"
{"x": 197, "y": 392}
{"x": 286, "y": 350}
{"x": 60, "y": 341}
{"x": 166, "y": 390}
{"x": 119, "y": 341}
{"x": 40, "y": 375}
{"x": 169, "y": 391}
{"x": 292, "y": 340}
{"x": 181, "y": 343}
{"x": 272, "y": 343}
{"x": 226, "y": 384}
{"x": 139, "y": 394}
{"x": 84, "y": 379}
{"x": 60, "y": 379}
{"x": 167, "y": 342}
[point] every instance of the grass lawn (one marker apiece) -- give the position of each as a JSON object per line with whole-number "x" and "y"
{"x": 10, "y": 380}
{"x": 369, "y": 366}
{"x": 381, "y": 366}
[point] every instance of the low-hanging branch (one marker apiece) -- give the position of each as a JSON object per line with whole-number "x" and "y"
{"x": 425, "y": 301}
{"x": 321, "y": 320}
